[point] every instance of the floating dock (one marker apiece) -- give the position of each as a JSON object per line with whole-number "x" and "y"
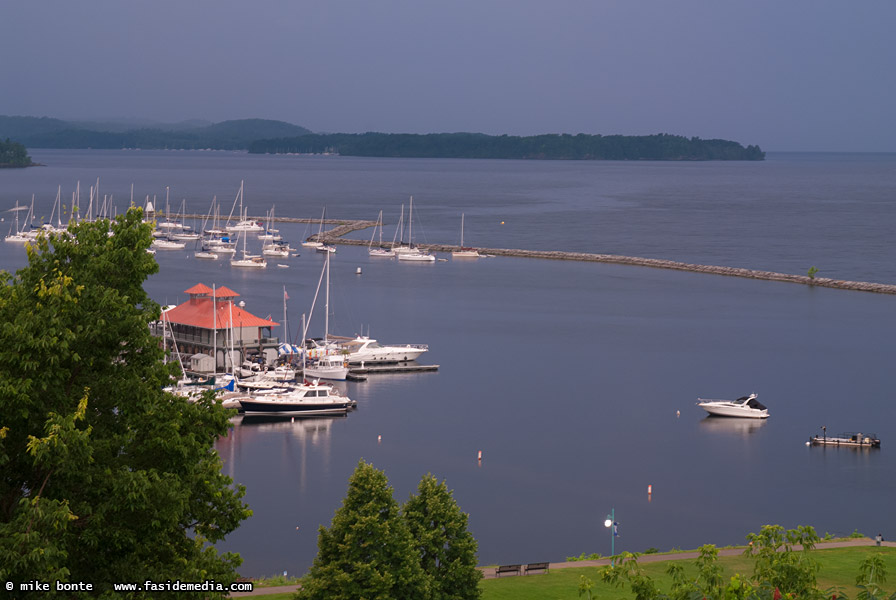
{"x": 847, "y": 440}
{"x": 392, "y": 368}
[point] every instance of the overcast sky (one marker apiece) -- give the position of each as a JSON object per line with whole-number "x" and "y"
{"x": 814, "y": 75}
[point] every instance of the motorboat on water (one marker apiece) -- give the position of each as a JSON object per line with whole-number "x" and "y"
{"x": 364, "y": 349}
{"x": 747, "y": 407}
{"x": 307, "y": 399}
{"x": 328, "y": 367}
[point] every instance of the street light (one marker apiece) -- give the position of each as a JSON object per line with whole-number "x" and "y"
{"x": 611, "y": 524}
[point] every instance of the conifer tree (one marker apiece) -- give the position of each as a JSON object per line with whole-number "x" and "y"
{"x": 446, "y": 549}
{"x": 367, "y": 552}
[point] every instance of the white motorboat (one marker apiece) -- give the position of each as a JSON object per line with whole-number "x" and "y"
{"x": 744, "y": 407}
{"x": 364, "y": 349}
{"x": 328, "y": 367}
{"x": 280, "y": 249}
{"x": 302, "y": 400}
{"x": 205, "y": 254}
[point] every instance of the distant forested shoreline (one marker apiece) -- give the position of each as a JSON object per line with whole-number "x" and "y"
{"x": 14, "y": 155}
{"x": 545, "y": 147}
{"x": 263, "y": 136}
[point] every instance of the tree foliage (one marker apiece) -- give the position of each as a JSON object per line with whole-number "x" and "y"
{"x": 446, "y": 548}
{"x": 104, "y": 477}
{"x": 367, "y": 552}
{"x": 13, "y": 154}
{"x": 373, "y": 549}
{"x": 782, "y": 568}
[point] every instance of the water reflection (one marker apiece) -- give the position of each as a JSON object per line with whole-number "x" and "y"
{"x": 732, "y": 426}
{"x": 286, "y": 440}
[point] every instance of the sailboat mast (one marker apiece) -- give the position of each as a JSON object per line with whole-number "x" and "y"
{"x": 411, "y": 223}
{"x": 461, "y": 231}
{"x": 327, "y": 304}
{"x": 214, "y": 329}
{"x": 285, "y": 326}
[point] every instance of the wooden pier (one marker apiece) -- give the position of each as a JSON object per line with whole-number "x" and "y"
{"x": 343, "y": 227}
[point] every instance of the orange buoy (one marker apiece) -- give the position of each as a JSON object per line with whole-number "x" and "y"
{"x": 649, "y": 489}
{"x": 480, "y": 455}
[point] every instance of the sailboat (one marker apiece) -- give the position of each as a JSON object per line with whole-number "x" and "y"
{"x": 18, "y": 236}
{"x": 328, "y": 366}
{"x": 314, "y": 243}
{"x": 378, "y": 250}
{"x": 252, "y": 261}
{"x": 414, "y": 254}
{"x": 464, "y": 252}
{"x": 245, "y": 223}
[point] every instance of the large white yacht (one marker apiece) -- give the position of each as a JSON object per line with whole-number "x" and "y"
{"x": 364, "y": 349}
{"x": 744, "y": 407}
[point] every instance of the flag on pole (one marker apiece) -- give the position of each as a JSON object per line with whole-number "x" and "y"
{"x": 615, "y": 529}
{"x": 285, "y": 295}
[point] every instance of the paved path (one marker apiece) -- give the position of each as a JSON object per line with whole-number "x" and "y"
{"x": 489, "y": 572}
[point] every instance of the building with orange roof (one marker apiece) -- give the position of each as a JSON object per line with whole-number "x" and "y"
{"x": 211, "y": 323}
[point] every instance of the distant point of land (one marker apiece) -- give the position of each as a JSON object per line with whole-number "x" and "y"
{"x": 13, "y": 155}
{"x": 262, "y": 136}
{"x": 582, "y": 146}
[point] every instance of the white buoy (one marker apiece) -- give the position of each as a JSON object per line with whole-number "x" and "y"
{"x": 379, "y": 439}
{"x": 677, "y": 413}
{"x": 358, "y": 271}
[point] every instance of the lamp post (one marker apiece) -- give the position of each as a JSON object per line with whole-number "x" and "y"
{"x": 610, "y": 524}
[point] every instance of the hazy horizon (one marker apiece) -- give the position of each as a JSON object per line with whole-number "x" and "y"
{"x": 797, "y": 76}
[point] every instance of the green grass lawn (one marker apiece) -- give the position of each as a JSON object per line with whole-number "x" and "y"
{"x": 837, "y": 567}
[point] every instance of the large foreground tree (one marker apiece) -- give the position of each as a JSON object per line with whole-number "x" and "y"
{"x": 445, "y": 547}
{"x": 104, "y": 477}
{"x": 367, "y": 552}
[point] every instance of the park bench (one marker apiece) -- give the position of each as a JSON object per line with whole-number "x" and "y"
{"x": 542, "y": 566}
{"x": 507, "y": 569}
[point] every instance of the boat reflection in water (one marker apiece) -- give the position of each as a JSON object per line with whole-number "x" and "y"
{"x": 727, "y": 426}
{"x": 286, "y": 443}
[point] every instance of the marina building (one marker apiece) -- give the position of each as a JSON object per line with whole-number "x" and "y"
{"x": 210, "y": 331}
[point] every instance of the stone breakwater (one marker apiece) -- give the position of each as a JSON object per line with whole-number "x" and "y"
{"x": 342, "y": 227}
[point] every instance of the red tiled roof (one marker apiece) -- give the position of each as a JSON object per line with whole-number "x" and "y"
{"x": 199, "y": 288}
{"x": 225, "y": 292}
{"x": 198, "y": 312}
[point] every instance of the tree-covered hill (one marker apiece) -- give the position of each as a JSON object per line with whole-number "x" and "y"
{"x": 13, "y": 154}
{"x": 263, "y": 136}
{"x": 228, "y": 135}
{"x": 551, "y": 146}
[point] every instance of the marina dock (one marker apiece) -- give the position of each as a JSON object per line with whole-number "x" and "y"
{"x": 392, "y": 368}
{"x": 343, "y": 227}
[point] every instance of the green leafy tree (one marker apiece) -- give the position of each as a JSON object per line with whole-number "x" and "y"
{"x": 779, "y": 566}
{"x": 367, "y": 552}
{"x": 446, "y": 549}
{"x": 103, "y": 476}
{"x": 872, "y": 574}
{"x": 626, "y": 570}
{"x": 708, "y": 583}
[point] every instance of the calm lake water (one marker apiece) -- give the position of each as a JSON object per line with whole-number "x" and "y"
{"x": 567, "y": 376}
